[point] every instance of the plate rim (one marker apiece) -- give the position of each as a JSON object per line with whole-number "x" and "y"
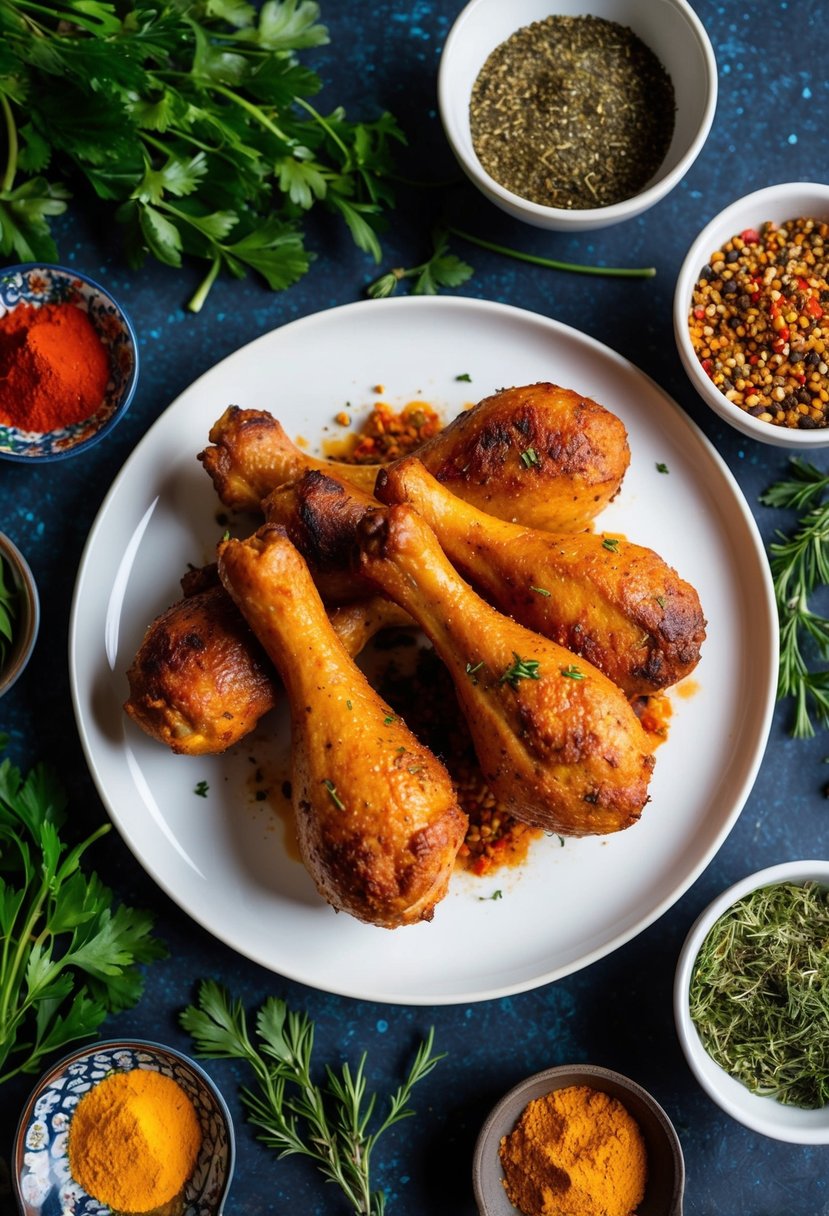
{"x": 609, "y": 945}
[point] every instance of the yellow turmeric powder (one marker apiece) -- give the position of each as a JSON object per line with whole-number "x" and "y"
{"x": 575, "y": 1152}
{"x": 134, "y": 1140}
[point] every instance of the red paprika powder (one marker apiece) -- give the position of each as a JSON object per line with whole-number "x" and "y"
{"x": 54, "y": 368}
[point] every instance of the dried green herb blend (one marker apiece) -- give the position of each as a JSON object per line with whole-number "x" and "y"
{"x": 572, "y": 112}
{"x": 759, "y": 993}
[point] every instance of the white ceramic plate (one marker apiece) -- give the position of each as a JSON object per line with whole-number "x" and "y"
{"x": 223, "y": 857}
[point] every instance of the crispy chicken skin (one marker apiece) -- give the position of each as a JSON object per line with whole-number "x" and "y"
{"x": 616, "y": 603}
{"x": 557, "y": 741}
{"x": 378, "y": 823}
{"x": 541, "y": 455}
{"x": 200, "y": 681}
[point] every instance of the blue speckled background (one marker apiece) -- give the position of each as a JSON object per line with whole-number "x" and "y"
{"x": 770, "y": 126}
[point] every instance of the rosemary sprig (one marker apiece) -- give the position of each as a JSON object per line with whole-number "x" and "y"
{"x": 758, "y": 993}
{"x": 799, "y": 565}
{"x": 330, "y": 1123}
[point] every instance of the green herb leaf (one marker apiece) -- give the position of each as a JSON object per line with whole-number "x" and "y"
{"x": 337, "y": 1125}
{"x": 520, "y": 669}
{"x": 541, "y": 591}
{"x": 71, "y": 955}
{"x": 333, "y": 795}
{"x": 201, "y": 789}
{"x": 573, "y": 673}
{"x": 799, "y": 563}
{"x": 529, "y": 457}
{"x": 662, "y": 468}
{"x": 611, "y": 543}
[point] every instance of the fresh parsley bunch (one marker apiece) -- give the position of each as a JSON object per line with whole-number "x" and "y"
{"x": 192, "y": 119}
{"x": 68, "y": 954}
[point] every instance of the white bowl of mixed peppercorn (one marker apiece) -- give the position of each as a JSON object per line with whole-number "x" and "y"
{"x": 751, "y": 315}
{"x": 579, "y": 119}
{"x": 750, "y": 1001}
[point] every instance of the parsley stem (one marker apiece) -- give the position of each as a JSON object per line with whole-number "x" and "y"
{"x": 202, "y": 292}
{"x": 300, "y": 101}
{"x": 11, "y": 139}
{"x": 255, "y": 111}
{"x": 636, "y": 272}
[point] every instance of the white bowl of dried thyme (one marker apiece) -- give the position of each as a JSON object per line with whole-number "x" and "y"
{"x": 750, "y": 1001}
{"x": 580, "y": 118}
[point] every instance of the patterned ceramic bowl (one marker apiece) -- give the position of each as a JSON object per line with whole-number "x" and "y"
{"x": 16, "y": 577}
{"x": 40, "y": 1166}
{"x": 36, "y": 285}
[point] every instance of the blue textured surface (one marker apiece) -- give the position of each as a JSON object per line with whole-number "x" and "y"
{"x": 770, "y": 126}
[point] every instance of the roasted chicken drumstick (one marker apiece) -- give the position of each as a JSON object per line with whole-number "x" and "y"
{"x": 557, "y": 741}
{"x": 540, "y": 454}
{"x": 200, "y": 680}
{"x": 378, "y": 823}
{"x": 616, "y": 603}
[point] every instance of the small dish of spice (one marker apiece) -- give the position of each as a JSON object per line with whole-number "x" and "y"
{"x": 751, "y": 315}
{"x": 68, "y": 362}
{"x": 578, "y": 1138}
{"x": 124, "y": 1126}
{"x": 19, "y": 613}
{"x": 750, "y": 1001}
{"x": 575, "y": 117}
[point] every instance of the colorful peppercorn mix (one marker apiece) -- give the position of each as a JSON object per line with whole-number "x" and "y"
{"x": 757, "y": 322}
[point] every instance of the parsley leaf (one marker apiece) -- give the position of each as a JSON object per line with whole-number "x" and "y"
{"x": 70, "y": 955}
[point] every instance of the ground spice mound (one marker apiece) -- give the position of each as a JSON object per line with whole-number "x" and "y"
{"x": 575, "y": 1152}
{"x": 54, "y": 368}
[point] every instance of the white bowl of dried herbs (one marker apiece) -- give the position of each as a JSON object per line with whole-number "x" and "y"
{"x": 750, "y": 1001}
{"x": 580, "y": 118}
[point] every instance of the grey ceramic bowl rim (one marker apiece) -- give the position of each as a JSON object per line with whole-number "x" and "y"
{"x": 132, "y": 383}
{"x": 23, "y": 647}
{"x": 129, "y": 1045}
{"x": 485, "y": 1163}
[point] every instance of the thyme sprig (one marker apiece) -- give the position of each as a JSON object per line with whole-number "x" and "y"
{"x": 327, "y": 1123}
{"x": 759, "y": 993}
{"x": 799, "y": 564}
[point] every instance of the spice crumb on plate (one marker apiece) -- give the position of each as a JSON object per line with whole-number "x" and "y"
{"x": 759, "y": 320}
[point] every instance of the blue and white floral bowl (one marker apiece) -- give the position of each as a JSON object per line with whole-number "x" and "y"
{"x": 38, "y": 284}
{"x": 40, "y": 1168}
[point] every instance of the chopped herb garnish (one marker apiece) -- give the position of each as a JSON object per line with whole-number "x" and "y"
{"x": 611, "y": 543}
{"x": 529, "y": 457}
{"x": 387, "y": 721}
{"x": 758, "y": 993}
{"x": 348, "y": 705}
{"x": 541, "y": 591}
{"x": 662, "y": 468}
{"x": 661, "y": 601}
{"x": 471, "y": 670}
{"x": 572, "y": 673}
{"x": 465, "y": 376}
{"x": 521, "y": 669}
{"x": 498, "y": 894}
{"x": 333, "y": 795}
{"x": 201, "y": 789}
